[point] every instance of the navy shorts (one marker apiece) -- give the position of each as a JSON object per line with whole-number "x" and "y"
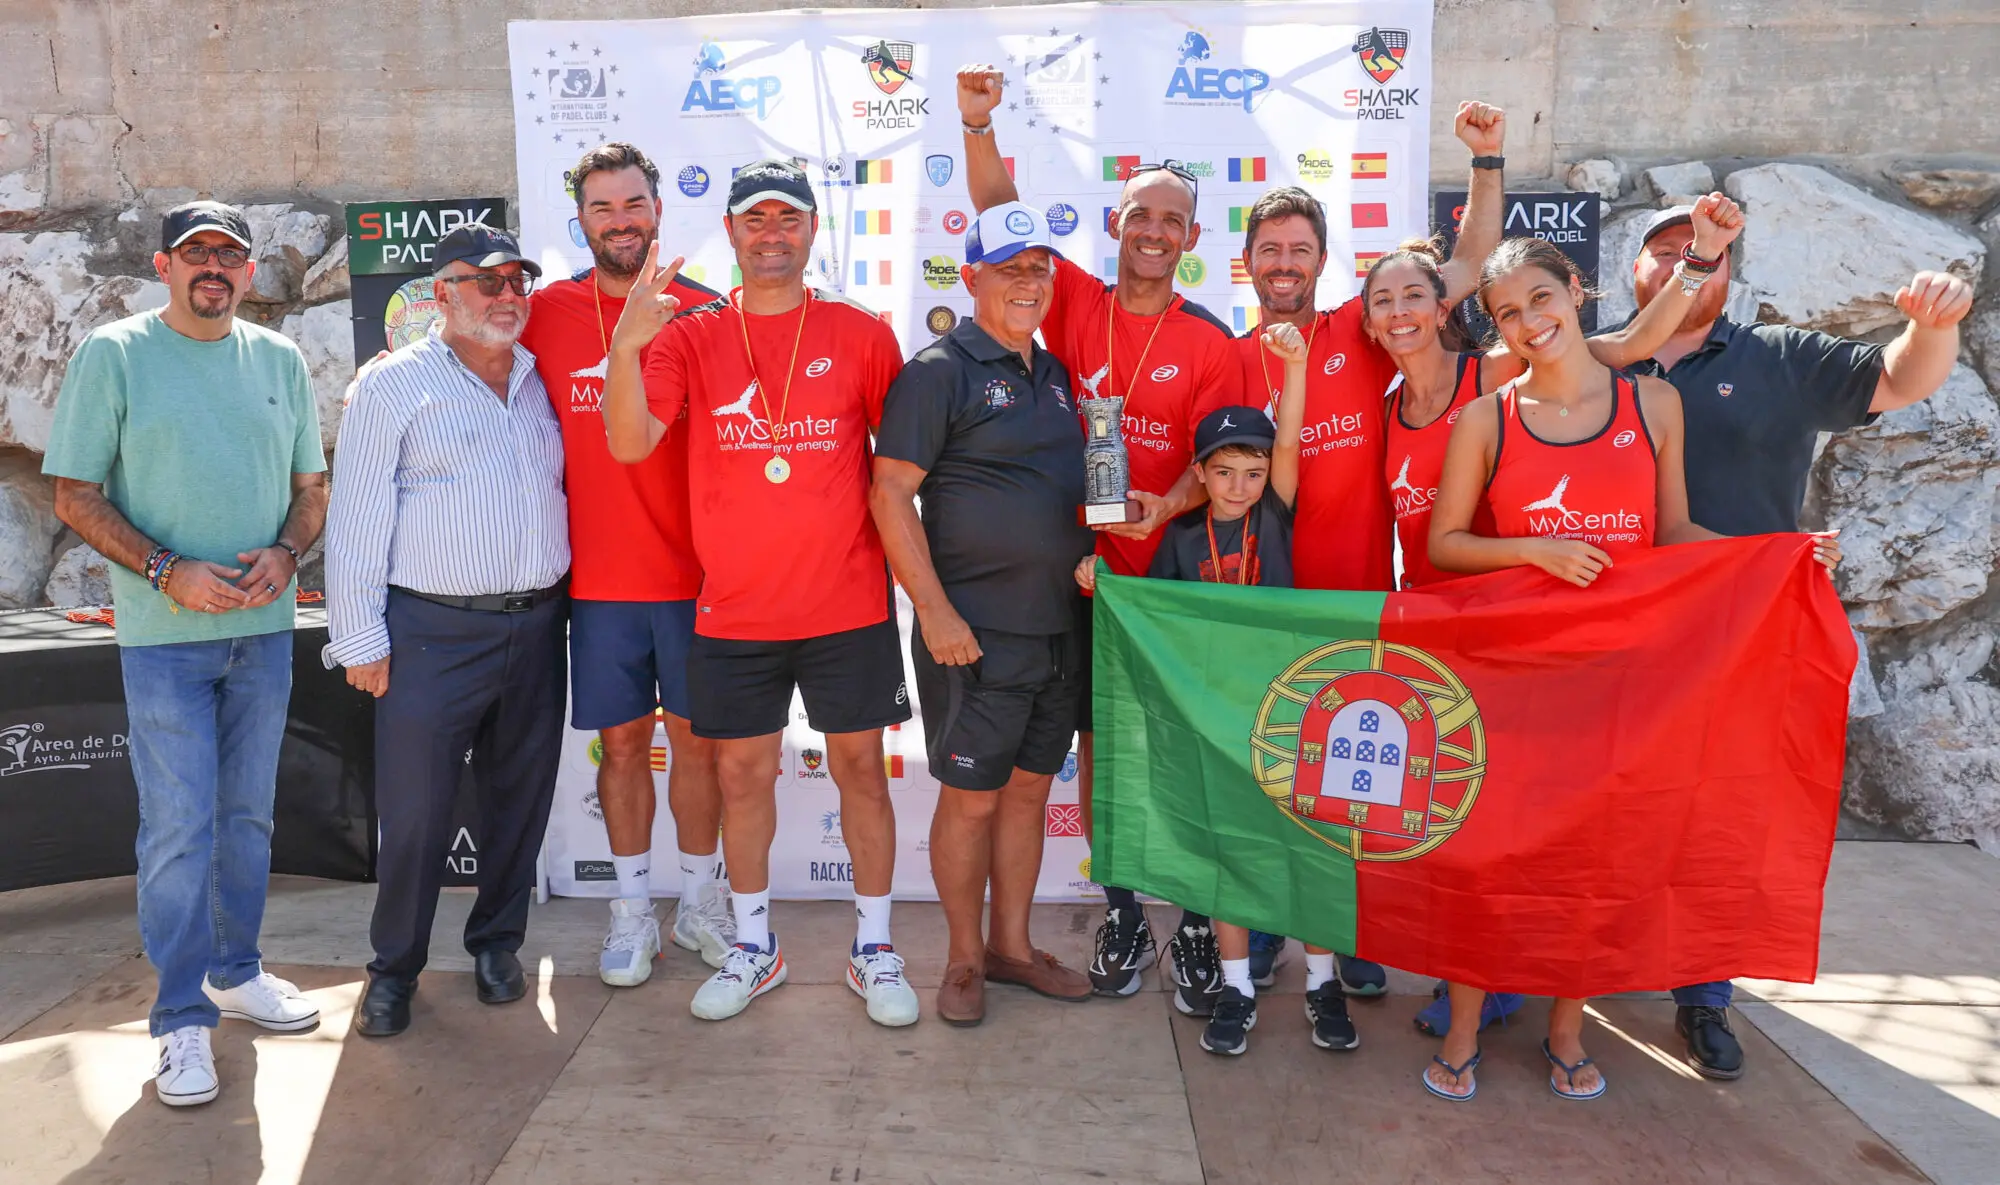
{"x": 627, "y": 658}
{"x": 1014, "y": 707}
{"x": 851, "y": 681}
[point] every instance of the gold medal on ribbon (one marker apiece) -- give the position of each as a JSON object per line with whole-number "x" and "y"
{"x": 777, "y": 470}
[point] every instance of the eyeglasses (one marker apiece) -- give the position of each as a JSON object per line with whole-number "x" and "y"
{"x": 197, "y": 254}
{"x": 1172, "y": 166}
{"x": 492, "y": 283}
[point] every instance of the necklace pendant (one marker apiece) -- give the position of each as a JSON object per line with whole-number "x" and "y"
{"x": 777, "y": 470}
{"x": 1562, "y": 411}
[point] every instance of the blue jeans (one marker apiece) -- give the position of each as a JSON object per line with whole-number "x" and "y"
{"x": 1705, "y": 995}
{"x": 206, "y": 721}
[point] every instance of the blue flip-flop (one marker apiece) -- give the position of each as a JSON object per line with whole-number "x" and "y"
{"x": 1569, "y": 1072}
{"x": 1458, "y": 1072}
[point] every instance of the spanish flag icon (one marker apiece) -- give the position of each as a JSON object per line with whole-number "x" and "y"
{"x": 1368, "y": 166}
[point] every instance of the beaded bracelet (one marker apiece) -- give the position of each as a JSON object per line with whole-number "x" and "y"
{"x": 166, "y": 571}
{"x": 154, "y": 563}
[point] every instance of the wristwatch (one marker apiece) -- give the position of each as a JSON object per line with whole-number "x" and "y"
{"x": 1489, "y": 162}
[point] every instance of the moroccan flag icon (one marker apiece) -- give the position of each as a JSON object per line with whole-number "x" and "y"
{"x": 1119, "y": 168}
{"x": 1370, "y": 215}
{"x": 1246, "y": 168}
{"x": 1369, "y": 166}
{"x": 874, "y": 172}
{"x": 1389, "y": 764}
{"x": 871, "y": 222}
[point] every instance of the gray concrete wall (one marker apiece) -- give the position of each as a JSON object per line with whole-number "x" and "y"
{"x": 335, "y": 99}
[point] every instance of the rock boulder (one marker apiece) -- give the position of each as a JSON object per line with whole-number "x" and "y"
{"x": 1820, "y": 252}
{"x": 327, "y": 280}
{"x": 1601, "y": 177}
{"x": 286, "y": 243}
{"x": 1954, "y": 190}
{"x": 81, "y": 579}
{"x": 28, "y": 529}
{"x": 325, "y": 335}
{"x": 1673, "y": 185}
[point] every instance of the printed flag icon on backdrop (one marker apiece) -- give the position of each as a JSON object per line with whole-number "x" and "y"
{"x": 735, "y": 276}
{"x": 1370, "y": 215}
{"x": 1245, "y": 318}
{"x": 1369, "y": 166}
{"x": 1239, "y": 219}
{"x": 1238, "y": 272}
{"x": 869, "y": 272}
{"x": 1110, "y": 218}
{"x": 892, "y": 763}
{"x": 876, "y": 172}
{"x": 1119, "y": 168}
{"x": 1065, "y": 821}
{"x": 1363, "y": 260}
{"x": 659, "y": 759}
{"x": 1009, "y": 162}
{"x": 871, "y": 222}
{"x": 1109, "y": 268}
{"x": 1246, "y": 168}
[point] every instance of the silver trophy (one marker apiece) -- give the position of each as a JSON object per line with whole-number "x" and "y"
{"x": 1107, "y": 468}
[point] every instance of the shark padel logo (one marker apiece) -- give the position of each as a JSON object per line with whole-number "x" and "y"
{"x": 1376, "y": 749}
{"x": 1381, "y": 51}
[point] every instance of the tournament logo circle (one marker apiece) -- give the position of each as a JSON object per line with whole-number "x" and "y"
{"x": 1375, "y": 749}
{"x": 1191, "y": 270}
{"x": 411, "y": 310}
{"x": 955, "y": 222}
{"x": 1062, "y": 218}
{"x": 940, "y": 321}
{"x": 1315, "y": 164}
{"x": 693, "y": 181}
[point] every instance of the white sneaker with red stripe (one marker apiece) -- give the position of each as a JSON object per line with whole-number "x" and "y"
{"x": 876, "y": 975}
{"x": 747, "y": 973}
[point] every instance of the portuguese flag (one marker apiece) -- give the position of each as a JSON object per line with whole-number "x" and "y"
{"x": 1503, "y": 780}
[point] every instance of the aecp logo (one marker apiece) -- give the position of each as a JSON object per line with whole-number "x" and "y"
{"x": 1193, "y": 82}
{"x": 709, "y": 93}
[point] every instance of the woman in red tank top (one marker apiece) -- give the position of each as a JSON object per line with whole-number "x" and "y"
{"x": 1407, "y": 314}
{"x": 1577, "y": 465}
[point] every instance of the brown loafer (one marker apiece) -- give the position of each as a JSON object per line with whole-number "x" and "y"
{"x": 1040, "y": 974}
{"x": 961, "y": 998}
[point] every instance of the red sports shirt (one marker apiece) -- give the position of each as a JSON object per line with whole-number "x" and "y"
{"x": 1601, "y": 489}
{"x": 1343, "y": 535}
{"x": 798, "y": 558}
{"x": 1188, "y": 371}
{"x": 629, "y": 537}
{"x": 1415, "y": 462}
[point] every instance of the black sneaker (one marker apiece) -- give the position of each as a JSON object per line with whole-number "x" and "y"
{"x": 1197, "y": 970}
{"x": 1326, "y": 1008}
{"x": 1228, "y": 1030}
{"x": 1712, "y": 1047}
{"x": 1123, "y": 950}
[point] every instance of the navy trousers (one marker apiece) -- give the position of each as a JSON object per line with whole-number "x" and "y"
{"x": 488, "y": 686}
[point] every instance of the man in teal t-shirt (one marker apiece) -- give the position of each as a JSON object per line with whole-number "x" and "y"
{"x": 186, "y": 451}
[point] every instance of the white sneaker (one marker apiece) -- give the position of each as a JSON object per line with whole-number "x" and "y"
{"x": 707, "y": 925}
{"x": 186, "y": 1075}
{"x": 632, "y": 945}
{"x": 746, "y": 974}
{"x": 266, "y": 1000}
{"x": 876, "y": 975}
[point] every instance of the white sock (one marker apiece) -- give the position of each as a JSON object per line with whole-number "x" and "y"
{"x": 1236, "y": 974}
{"x": 633, "y": 882}
{"x": 871, "y": 921}
{"x": 753, "y": 919}
{"x": 697, "y": 873}
{"x": 1319, "y": 971}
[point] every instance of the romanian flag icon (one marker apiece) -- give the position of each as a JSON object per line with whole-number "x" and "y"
{"x": 871, "y": 271}
{"x": 876, "y": 222}
{"x": 892, "y": 764}
{"x": 874, "y": 172}
{"x": 1246, "y": 318}
{"x": 1246, "y": 168}
{"x": 1239, "y": 273}
{"x": 1370, "y": 215}
{"x": 1368, "y": 166}
{"x": 1117, "y": 168}
{"x": 1239, "y": 219}
{"x": 1363, "y": 260}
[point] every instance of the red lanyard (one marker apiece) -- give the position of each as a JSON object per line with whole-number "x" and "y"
{"x": 1246, "y": 556}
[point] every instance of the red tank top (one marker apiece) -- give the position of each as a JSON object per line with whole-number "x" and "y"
{"x": 1414, "y": 463}
{"x": 1600, "y": 489}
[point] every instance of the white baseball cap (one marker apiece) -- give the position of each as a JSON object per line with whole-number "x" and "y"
{"x": 1005, "y": 231}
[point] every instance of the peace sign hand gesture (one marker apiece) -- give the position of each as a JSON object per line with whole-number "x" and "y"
{"x": 648, "y": 308}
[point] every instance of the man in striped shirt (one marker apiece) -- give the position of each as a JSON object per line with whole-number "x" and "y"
{"x": 447, "y": 544}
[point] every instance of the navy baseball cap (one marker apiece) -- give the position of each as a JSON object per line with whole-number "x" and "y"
{"x": 184, "y": 221}
{"x": 771, "y": 180}
{"x": 1233, "y": 425}
{"x": 1671, "y": 216}
{"x": 1005, "y": 231}
{"x": 481, "y": 246}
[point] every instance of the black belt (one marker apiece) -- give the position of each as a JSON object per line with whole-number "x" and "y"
{"x": 491, "y": 602}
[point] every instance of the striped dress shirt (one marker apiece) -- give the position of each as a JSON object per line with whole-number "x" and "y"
{"x": 439, "y": 487}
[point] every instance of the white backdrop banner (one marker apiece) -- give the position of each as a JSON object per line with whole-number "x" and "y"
{"x": 1333, "y": 97}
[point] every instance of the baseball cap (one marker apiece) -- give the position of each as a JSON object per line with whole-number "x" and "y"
{"x": 1005, "y": 231}
{"x": 481, "y": 246}
{"x": 191, "y": 218}
{"x": 1241, "y": 424}
{"x": 771, "y": 180}
{"x": 1671, "y": 216}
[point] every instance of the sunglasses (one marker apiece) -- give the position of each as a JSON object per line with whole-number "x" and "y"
{"x": 493, "y": 283}
{"x": 197, "y": 254}
{"x": 1172, "y": 166}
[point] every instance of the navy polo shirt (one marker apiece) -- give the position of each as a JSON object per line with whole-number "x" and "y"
{"x": 1002, "y": 452}
{"x": 1755, "y": 399}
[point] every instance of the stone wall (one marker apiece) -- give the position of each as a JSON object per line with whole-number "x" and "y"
{"x": 1849, "y": 129}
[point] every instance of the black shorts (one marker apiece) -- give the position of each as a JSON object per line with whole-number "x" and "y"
{"x": 1083, "y": 635}
{"x": 851, "y": 681}
{"x": 1015, "y": 707}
